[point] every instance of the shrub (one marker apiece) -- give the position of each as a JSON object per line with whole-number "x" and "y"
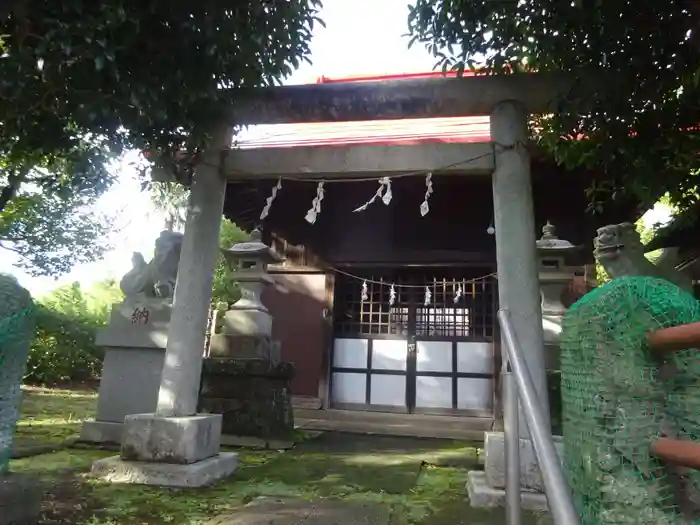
{"x": 67, "y": 321}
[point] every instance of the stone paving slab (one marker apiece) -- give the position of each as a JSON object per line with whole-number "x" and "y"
{"x": 272, "y": 511}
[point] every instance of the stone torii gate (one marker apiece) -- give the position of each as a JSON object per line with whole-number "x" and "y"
{"x": 178, "y": 440}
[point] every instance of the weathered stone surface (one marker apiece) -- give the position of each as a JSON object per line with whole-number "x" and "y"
{"x": 20, "y": 499}
{"x": 244, "y": 347}
{"x": 177, "y": 440}
{"x": 199, "y": 474}
{"x": 157, "y": 278}
{"x": 495, "y": 463}
{"x": 255, "y": 442}
{"x": 94, "y": 431}
{"x": 269, "y": 511}
{"x": 129, "y": 382}
{"x": 481, "y": 495}
{"x": 247, "y": 368}
{"x": 244, "y": 320}
{"x": 620, "y": 252}
{"x": 141, "y": 323}
{"x": 253, "y": 396}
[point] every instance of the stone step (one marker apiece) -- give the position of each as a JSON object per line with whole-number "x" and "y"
{"x": 307, "y": 402}
{"x": 415, "y": 425}
{"x": 480, "y": 423}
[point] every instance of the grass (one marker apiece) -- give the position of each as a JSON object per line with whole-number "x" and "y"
{"x": 50, "y": 417}
{"x": 420, "y": 481}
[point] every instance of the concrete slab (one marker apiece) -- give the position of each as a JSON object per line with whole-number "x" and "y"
{"x": 20, "y": 499}
{"x": 205, "y": 472}
{"x": 481, "y": 495}
{"x": 182, "y": 440}
{"x": 271, "y": 511}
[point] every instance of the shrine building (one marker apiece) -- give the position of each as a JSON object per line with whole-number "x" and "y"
{"x": 391, "y": 307}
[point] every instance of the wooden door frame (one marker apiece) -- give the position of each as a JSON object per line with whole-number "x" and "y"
{"x": 324, "y": 380}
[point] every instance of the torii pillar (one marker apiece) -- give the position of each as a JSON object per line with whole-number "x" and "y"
{"x": 177, "y": 447}
{"x": 519, "y": 292}
{"x": 516, "y": 241}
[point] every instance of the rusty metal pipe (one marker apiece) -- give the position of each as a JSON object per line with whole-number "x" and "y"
{"x": 678, "y": 452}
{"x": 675, "y": 338}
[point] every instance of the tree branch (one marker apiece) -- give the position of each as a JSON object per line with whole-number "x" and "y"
{"x": 11, "y": 249}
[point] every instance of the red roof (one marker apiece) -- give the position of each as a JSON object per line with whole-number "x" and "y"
{"x": 373, "y": 132}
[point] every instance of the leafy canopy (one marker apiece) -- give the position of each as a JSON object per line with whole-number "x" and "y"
{"x": 641, "y": 128}
{"x": 82, "y": 81}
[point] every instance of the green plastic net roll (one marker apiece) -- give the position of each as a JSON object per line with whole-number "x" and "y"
{"x": 16, "y": 331}
{"x": 616, "y": 398}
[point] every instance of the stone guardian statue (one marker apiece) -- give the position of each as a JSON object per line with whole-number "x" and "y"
{"x": 158, "y": 277}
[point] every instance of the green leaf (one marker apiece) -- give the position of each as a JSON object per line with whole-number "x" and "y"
{"x": 641, "y": 124}
{"x": 119, "y": 76}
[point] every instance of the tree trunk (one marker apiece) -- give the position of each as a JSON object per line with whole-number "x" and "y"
{"x": 14, "y": 181}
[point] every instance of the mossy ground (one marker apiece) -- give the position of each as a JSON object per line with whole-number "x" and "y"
{"x": 422, "y": 481}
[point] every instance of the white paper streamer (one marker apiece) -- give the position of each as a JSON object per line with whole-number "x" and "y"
{"x": 386, "y": 199}
{"x": 428, "y": 296}
{"x": 364, "y": 295}
{"x": 425, "y": 207}
{"x": 266, "y": 210}
{"x": 392, "y": 296}
{"x": 458, "y": 293}
{"x": 312, "y": 214}
{"x": 383, "y": 192}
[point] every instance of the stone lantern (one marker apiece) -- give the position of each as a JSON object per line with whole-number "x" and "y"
{"x": 554, "y": 276}
{"x": 247, "y": 325}
{"x": 244, "y": 379}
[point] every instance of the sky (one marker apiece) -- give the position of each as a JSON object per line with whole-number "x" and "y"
{"x": 361, "y": 37}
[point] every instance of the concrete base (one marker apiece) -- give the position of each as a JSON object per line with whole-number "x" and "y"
{"x": 481, "y": 495}
{"x": 199, "y": 474}
{"x": 20, "y": 499}
{"x": 101, "y": 432}
{"x": 180, "y": 440}
{"x": 229, "y": 440}
{"x": 495, "y": 462}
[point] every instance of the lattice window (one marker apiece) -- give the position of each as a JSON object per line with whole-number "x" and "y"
{"x": 374, "y": 315}
{"x": 472, "y": 316}
{"x": 442, "y": 322}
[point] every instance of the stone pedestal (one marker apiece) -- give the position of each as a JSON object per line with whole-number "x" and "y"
{"x": 243, "y": 378}
{"x": 169, "y": 451}
{"x": 134, "y": 345}
{"x": 244, "y": 347}
{"x": 487, "y": 489}
{"x": 252, "y": 395}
